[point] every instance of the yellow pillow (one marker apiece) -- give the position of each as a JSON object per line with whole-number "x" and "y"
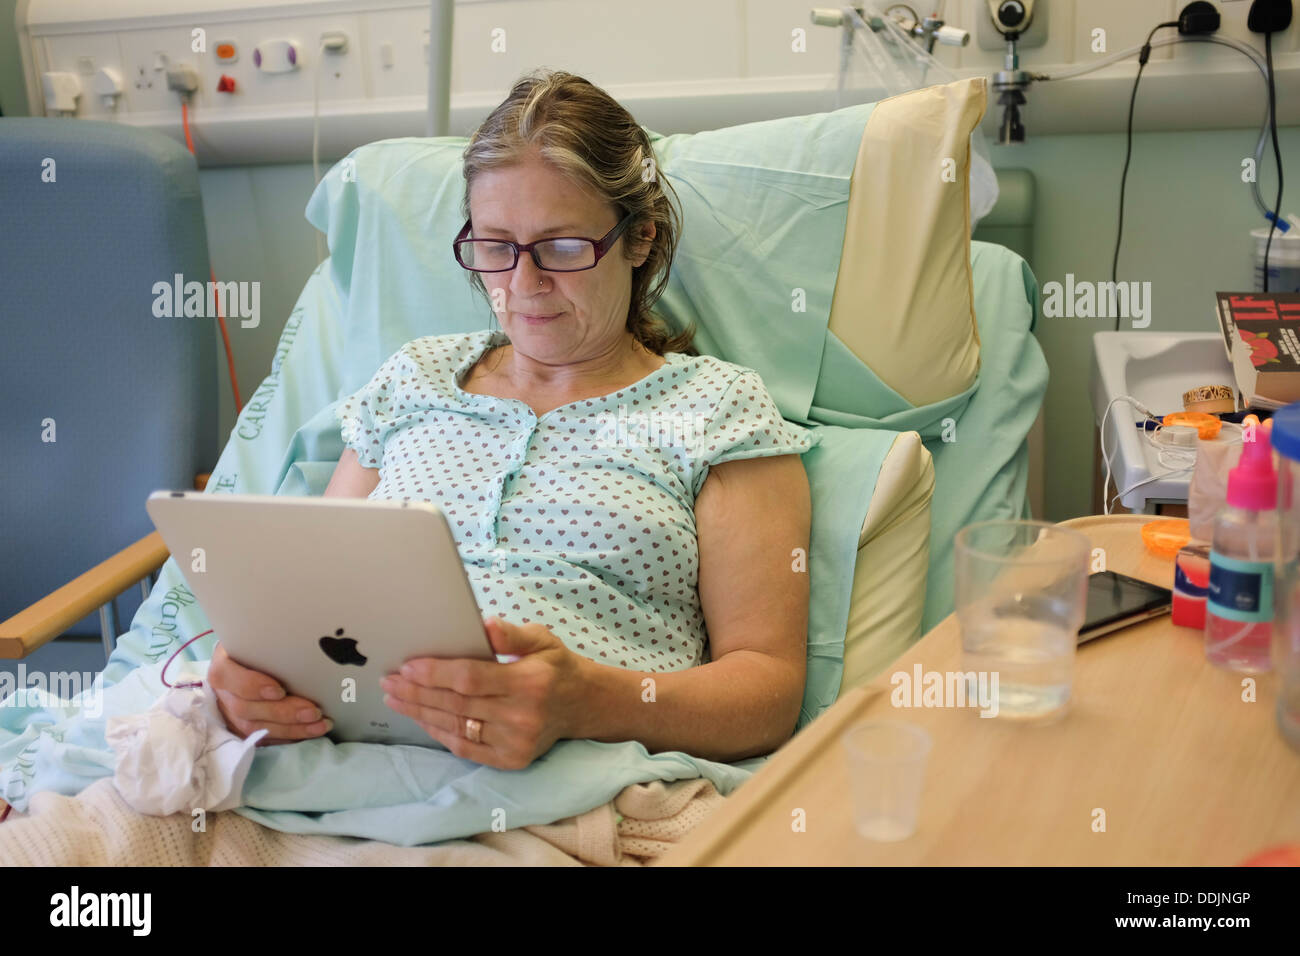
{"x": 904, "y": 301}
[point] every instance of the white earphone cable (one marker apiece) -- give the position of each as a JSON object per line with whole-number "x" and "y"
{"x": 1182, "y": 458}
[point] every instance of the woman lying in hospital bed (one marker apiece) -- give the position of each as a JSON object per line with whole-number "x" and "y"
{"x": 628, "y": 512}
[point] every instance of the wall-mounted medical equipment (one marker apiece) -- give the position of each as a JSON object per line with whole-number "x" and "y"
{"x": 1011, "y": 18}
{"x": 254, "y": 73}
{"x": 881, "y": 55}
{"x": 926, "y": 30}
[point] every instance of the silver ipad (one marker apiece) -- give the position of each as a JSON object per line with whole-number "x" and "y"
{"x": 327, "y": 595}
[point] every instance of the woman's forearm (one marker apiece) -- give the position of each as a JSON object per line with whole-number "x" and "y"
{"x": 743, "y": 705}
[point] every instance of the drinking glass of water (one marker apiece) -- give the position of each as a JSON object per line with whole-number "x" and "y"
{"x": 1021, "y": 594}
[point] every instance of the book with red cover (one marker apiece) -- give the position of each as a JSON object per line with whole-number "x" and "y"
{"x": 1261, "y": 334}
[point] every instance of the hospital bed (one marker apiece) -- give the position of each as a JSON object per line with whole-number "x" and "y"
{"x": 913, "y": 357}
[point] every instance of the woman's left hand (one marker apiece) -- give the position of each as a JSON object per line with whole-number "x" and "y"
{"x": 524, "y": 706}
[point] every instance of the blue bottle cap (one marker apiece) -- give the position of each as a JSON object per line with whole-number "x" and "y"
{"x": 1286, "y": 431}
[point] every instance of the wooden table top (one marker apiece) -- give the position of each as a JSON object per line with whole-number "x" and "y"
{"x": 1158, "y": 744}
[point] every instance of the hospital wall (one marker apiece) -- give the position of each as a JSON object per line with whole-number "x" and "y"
{"x": 1187, "y": 216}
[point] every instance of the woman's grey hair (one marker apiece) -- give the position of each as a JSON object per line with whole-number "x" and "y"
{"x": 584, "y": 134}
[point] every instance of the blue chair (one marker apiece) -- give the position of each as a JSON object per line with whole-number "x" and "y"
{"x": 103, "y": 402}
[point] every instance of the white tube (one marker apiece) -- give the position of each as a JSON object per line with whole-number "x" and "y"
{"x": 1163, "y": 41}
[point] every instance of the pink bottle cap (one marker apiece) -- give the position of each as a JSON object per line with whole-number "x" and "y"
{"x": 1253, "y": 483}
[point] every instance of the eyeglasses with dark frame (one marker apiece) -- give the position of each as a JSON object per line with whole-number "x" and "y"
{"x": 562, "y": 248}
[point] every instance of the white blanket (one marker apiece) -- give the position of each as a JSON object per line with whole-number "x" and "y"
{"x": 98, "y": 828}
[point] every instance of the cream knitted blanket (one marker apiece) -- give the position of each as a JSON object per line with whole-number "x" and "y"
{"x": 98, "y": 828}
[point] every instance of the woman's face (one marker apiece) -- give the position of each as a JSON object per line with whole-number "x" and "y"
{"x": 532, "y": 201}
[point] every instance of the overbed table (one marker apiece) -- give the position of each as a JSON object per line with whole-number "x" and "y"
{"x": 1185, "y": 770}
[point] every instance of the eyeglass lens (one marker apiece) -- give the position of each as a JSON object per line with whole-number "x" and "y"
{"x": 487, "y": 255}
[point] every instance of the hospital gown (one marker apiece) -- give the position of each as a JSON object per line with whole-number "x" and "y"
{"x": 582, "y": 519}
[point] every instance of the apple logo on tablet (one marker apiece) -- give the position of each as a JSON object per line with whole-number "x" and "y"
{"x": 342, "y": 650}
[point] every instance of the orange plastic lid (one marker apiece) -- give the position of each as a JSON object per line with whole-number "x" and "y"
{"x": 1207, "y": 426}
{"x": 1166, "y": 537}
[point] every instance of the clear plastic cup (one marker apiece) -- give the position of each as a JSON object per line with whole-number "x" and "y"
{"x": 886, "y": 761}
{"x": 1021, "y": 595}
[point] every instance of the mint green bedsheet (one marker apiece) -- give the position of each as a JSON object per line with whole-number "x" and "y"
{"x": 982, "y": 473}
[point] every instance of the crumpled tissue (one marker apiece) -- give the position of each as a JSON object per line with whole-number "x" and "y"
{"x": 178, "y": 756}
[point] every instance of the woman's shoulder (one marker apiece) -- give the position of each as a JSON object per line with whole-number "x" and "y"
{"x": 452, "y": 345}
{"x": 710, "y": 373}
{"x": 440, "y": 355}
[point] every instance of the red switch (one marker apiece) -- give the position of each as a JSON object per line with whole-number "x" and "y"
{"x": 226, "y": 84}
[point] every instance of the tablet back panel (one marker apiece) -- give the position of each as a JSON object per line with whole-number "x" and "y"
{"x": 327, "y": 595}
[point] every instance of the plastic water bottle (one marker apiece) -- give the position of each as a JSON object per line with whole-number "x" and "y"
{"x": 1239, "y": 607}
{"x": 1285, "y": 438}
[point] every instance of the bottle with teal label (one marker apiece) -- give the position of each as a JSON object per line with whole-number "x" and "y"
{"x": 1239, "y": 606}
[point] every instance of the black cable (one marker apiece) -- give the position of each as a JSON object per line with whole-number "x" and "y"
{"x": 1277, "y": 151}
{"x": 1128, "y": 149}
{"x": 1123, "y": 179}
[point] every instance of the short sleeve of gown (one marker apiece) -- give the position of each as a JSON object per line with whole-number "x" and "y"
{"x": 365, "y": 417}
{"x": 746, "y": 424}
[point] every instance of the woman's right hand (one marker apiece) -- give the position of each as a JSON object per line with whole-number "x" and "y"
{"x": 250, "y": 701}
